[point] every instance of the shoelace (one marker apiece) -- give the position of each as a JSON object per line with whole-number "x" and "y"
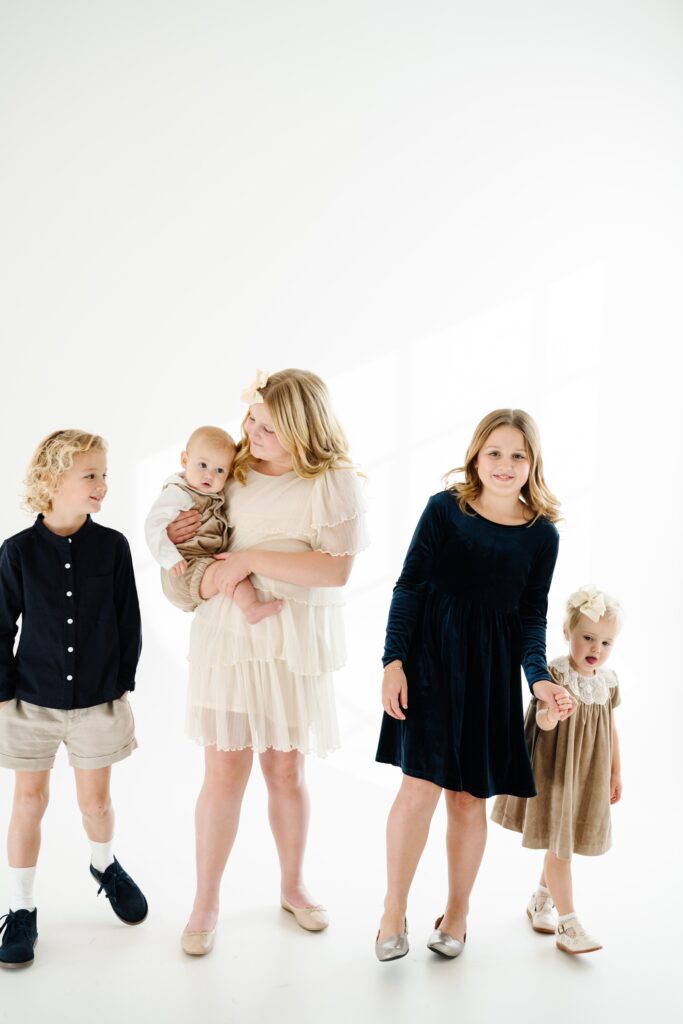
{"x": 117, "y": 874}
{"x": 13, "y": 927}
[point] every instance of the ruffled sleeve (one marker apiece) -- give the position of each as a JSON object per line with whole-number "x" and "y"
{"x": 338, "y": 513}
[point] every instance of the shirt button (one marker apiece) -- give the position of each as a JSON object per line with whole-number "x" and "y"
{"x": 70, "y": 650}
{"x": 68, "y": 593}
{"x": 69, "y": 678}
{"x": 67, "y": 565}
{"x": 69, "y": 539}
{"x": 70, "y": 621}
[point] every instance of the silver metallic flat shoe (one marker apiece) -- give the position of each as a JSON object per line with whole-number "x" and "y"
{"x": 394, "y": 947}
{"x": 443, "y": 943}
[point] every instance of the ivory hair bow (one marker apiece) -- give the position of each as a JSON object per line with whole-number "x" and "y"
{"x": 590, "y": 601}
{"x": 252, "y": 395}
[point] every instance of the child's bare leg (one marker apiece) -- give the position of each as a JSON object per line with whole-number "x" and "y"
{"x": 407, "y": 830}
{"x": 465, "y": 845}
{"x": 94, "y": 801}
{"x": 31, "y": 795}
{"x": 558, "y": 877}
{"x": 217, "y": 816}
{"x": 246, "y": 599}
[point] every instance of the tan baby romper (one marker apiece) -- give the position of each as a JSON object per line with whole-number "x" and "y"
{"x": 211, "y": 539}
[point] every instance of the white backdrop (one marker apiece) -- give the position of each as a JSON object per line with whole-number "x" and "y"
{"x": 442, "y": 208}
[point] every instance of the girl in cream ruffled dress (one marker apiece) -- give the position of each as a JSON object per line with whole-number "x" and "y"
{"x": 297, "y": 515}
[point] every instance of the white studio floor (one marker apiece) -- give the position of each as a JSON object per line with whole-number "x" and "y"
{"x": 89, "y": 967}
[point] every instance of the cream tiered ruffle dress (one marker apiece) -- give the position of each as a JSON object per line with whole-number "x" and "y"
{"x": 270, "y": 684}
{"x": 572, "y": 766}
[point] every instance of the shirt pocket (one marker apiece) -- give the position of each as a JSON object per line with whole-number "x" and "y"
{"x": 98, "y": 597}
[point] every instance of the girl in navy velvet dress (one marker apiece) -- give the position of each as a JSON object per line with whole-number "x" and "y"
{"x": 467, "y": 611}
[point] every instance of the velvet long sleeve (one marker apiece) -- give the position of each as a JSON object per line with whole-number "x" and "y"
{"x": 533, "y": 611}
{"x": 410, "y": 588}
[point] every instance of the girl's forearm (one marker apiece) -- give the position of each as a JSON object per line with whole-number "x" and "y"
{"x": 305, "y": 568}
{"x": 616, "y": 755}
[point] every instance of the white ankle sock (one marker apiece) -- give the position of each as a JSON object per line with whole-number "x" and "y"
{"x": 21, "y": 888}
{"x": 102, "y": 855}
{"x": 543, "y": 889}
{"x": 566, "y": 917}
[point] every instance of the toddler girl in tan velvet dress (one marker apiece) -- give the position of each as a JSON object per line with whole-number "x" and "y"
{"x": 576, "y": 768}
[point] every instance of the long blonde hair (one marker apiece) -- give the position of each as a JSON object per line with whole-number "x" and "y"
{"x": 535, "y": 493}
{"x": 53, "y": 457}
{"x": 299, "y": 405}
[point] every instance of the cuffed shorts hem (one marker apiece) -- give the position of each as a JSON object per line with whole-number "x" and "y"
{"x": 105, "y": 759}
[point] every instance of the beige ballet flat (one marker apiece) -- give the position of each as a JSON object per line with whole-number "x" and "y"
{"x": 198, "y": 943}
{"x": 313, "y": 919}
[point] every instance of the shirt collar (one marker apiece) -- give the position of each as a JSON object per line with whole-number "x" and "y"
{"x": 62, "y": 542}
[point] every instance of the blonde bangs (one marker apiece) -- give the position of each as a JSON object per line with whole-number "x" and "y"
{"x": 53, "y": 457}
{"x": 299, "y": 404}
{"x": 535, "y": 493}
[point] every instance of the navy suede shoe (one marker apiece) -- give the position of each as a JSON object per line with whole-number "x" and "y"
{"x": 124, "y": 896}
{"x": 21, "y": 935}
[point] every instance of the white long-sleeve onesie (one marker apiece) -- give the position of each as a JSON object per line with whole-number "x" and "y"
{"x": 172, "y": 500}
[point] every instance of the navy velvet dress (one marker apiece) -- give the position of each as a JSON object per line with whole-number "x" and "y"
{"x": 468, "y": 610}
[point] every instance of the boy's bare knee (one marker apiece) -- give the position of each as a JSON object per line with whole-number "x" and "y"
{"x": 31, "y": 803}
{"x": 95, "y": 810}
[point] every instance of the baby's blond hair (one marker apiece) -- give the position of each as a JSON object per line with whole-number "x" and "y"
{"x": 53, "y": 457}
{"x": 214, "y": 435}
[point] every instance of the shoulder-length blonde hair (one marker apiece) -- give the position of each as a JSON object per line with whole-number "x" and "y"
{"x": 299, "y": 405}
{"x": 53, "y": 457}
{"x": 535, "y": 493}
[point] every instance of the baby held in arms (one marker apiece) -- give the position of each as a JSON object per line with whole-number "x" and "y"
{"x": 206, "y": 463}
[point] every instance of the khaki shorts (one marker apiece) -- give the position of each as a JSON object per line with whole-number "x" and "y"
{"x": 95, "y": 737}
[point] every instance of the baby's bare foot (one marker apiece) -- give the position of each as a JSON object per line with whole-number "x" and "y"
{"x": 262, "y": 610}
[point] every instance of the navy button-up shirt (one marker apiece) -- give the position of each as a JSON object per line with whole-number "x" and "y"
{"x": 80, "y": 619}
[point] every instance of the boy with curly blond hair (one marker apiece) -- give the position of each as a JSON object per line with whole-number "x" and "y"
{"x": 71, "y": 582}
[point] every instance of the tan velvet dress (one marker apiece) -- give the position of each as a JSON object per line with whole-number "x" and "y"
{"x": 572, "y": 766}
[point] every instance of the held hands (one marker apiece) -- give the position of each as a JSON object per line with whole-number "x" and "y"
{"x": 559, "y": 701}
{"x": 231, "y": 569}
{"x": 615, "y": 788}
{"x": 184, "y": 526}
{"x": 395, "y": 690}
{"x": 179, "y": 568}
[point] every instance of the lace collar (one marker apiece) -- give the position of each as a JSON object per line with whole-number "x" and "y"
{"x": 588, "y": 689}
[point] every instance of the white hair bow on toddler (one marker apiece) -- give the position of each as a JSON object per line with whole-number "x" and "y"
{"x": 590, "y": 601}
{"x": 252, "y": 395}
